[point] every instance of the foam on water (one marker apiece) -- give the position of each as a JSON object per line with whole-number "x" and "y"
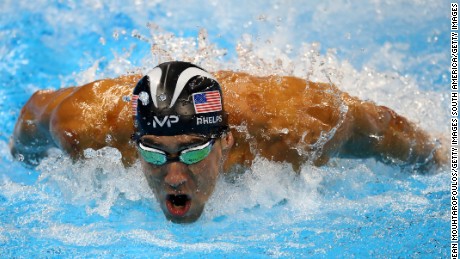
{"x": 98, "y": 180}
{"x": 97, "y": 207}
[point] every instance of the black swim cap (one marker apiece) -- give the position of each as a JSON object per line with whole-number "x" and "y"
{"x": 178, "y": 98}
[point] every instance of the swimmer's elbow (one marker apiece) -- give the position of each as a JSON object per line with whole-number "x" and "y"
{"x": 27, "y": 155}
{"x": 30, "y": 142}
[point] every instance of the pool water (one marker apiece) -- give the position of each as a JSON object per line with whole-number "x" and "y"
{"x": 395, "y": 53}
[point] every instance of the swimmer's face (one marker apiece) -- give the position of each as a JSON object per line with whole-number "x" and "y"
{"x": 183, "y": 189}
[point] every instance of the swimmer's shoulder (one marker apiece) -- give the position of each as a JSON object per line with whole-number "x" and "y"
{"x": 274, "y": 94}
{"x": 238, "y": 81}
{"x": 45, "y": 101}
{"x": 95, "y": 101}
{"x": 103, "y": 88}
{"x": 42, "y": 103}
{"x": 86, "y": 116}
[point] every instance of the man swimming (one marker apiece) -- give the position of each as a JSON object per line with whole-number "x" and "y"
{"x": 176, "y": 122}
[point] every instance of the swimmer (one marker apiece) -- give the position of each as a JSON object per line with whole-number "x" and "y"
{"x": 176, "y": 121}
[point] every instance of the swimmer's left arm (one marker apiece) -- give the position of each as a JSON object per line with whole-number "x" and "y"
{"x": 380, "y": 132}
{"x": 281, "y": 112}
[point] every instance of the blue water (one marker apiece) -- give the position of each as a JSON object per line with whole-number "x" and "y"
{"x": 395, "y": 53}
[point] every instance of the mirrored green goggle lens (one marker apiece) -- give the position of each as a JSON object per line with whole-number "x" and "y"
{"x": 195, "y": 156}
{"x": 153, "y": 157}
{"x": 190, "y": 156}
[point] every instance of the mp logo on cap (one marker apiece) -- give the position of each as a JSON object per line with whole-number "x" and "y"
{"x": 168, "y": 120}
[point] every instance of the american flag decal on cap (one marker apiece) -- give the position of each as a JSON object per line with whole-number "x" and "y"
{"x": 207, "y": 102}
{"x": 134, "y": 104}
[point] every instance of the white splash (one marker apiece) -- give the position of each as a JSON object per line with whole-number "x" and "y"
{"x": 100, "y": 178}
{"x": 268, "y": 37}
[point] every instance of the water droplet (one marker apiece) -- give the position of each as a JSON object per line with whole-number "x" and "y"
{"x": 262, "y": 18}
{"x": 115, "y": 35}
{"x": 102, "y": 40}
{"x": 144, "y": 98}
{"x": 108, "y": 138}
{"x": 162, "y": 97}
{"x": 284, "y": 131}
{"x": 126, "y": 98}
{"x": 20, "y": 157}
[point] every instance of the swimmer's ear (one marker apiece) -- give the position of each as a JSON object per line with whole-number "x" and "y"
{"x": 227, "y": 141}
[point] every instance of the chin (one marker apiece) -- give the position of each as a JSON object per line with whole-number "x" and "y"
{"x": 182, "y": 220}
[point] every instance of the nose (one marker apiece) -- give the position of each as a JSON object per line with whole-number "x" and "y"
{"x": 176, "y": 174}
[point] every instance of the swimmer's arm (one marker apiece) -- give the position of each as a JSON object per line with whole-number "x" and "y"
{"x": 377, "y": 131}
{"x": 31, "y": 137}
{"x": 67, "y": 119}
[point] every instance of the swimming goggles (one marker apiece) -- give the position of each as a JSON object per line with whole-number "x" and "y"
{"x": 187, "y": 156}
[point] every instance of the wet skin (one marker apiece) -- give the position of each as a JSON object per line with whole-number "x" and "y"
{"x": 182, "y": 190}
{"x": 260, "y": 110}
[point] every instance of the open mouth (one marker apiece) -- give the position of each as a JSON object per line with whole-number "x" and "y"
{"x": 178, "y": 205}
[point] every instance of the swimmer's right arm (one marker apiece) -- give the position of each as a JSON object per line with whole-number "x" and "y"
{"x": 31, "y": 136}
{"x": 74, "y": 119}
